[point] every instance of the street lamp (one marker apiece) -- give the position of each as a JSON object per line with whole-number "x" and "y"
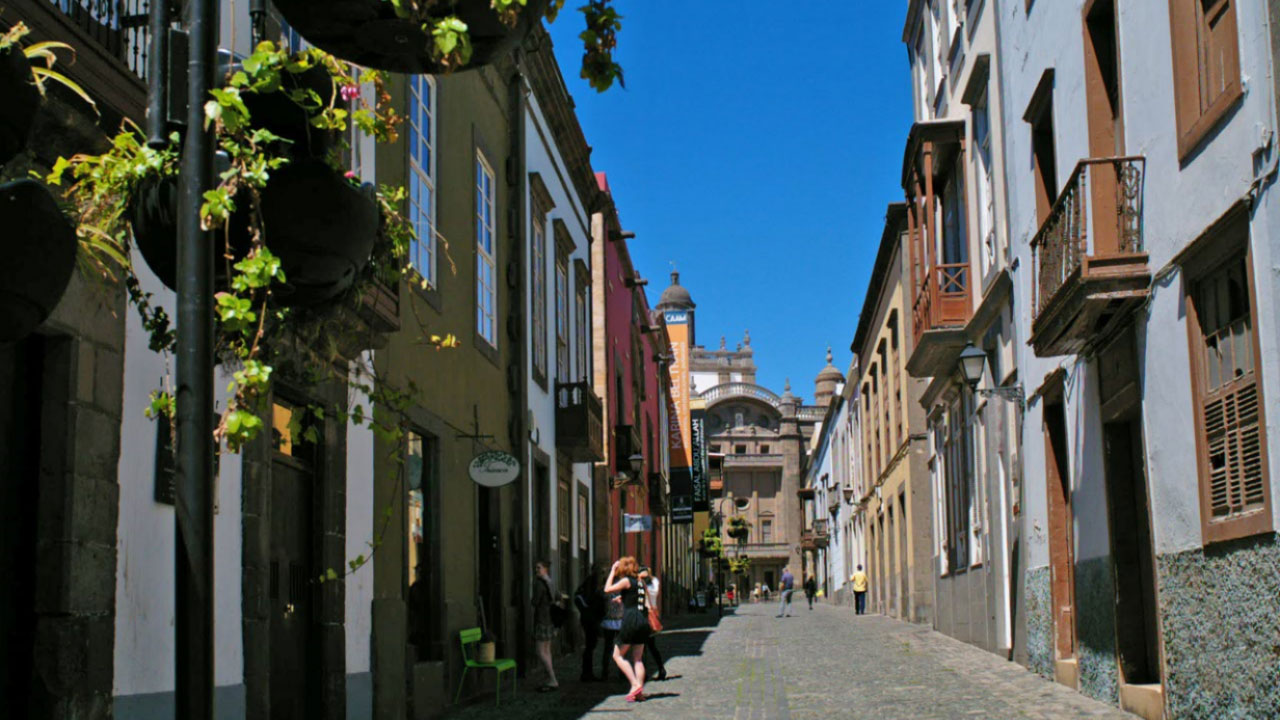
{"x": 636, "y": 462}
{"x": 973, "y": 363}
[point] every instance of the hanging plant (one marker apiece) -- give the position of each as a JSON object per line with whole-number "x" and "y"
{"x": 739, "y": 528}
{"x": 443, "y": 36}
{"x": 740, "y": 566}
{"x": 25, "y": 71}
{"x": 711, "y": 545}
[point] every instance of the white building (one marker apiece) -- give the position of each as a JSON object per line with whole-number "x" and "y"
{"x": 1144, "y": 224}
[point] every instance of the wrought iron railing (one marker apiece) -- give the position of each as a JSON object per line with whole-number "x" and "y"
{"x": 1076, "y": 221}
{"x": 119, "y": 27}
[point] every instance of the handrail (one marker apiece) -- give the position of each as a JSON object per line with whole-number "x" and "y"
{"x": 1064, "y": 239}
{"x": 739, "y": 388}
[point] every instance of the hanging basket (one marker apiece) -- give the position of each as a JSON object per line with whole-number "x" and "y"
{"x": 370, "y": 34}
{"x": 21, "y": 100}
{"x": 39, "y": 246}
{"x": 278, "y": 113}
{"x": 322, "y": 227}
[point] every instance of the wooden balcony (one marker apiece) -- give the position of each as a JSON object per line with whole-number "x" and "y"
{"x": 627, "y": 442}
{"x": 1088, "y": 257}
{"x": 110, "y": 39}
{"x": 805, "y": 493}
{"x": 816, "y": 537}
{"x": 380, "y": 306}
{"x": 579, "y": 422}
{"x": 939, "y": 276}
{"x": 939, "y": 313}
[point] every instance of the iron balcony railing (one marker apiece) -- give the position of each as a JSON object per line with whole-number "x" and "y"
{"x": 119, "y": 27}
{"x": 1102, "y": 200}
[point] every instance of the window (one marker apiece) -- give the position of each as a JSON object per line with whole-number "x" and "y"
{"x": 583, "y": 519}
{"x": 1234, "y": 489}
{"x": 1206, "y": 66}
{"x": 985, "y": 182}
{"x": 1044, "y": 156}
{"x": 766, "y": 531}
{"x": 924, "y": 83}
{"x": 764, "y": 449}
{"x": 580, "y": 337}
{"x": 486, "y": 253}
{"x": 739, "y": 449}
{"x": 538, "y": 252}
{"x": 959, "y": 481}
{"x": 955, "y": 249}
{"x": 422, "y": 176}
{"x": 562, "y": 319}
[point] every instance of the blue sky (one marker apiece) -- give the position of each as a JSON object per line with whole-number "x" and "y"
{"x": 758, "y": 153}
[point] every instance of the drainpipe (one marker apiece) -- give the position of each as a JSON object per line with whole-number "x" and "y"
{"x": 194, "y": 487}
{"x": 521, "y": 356}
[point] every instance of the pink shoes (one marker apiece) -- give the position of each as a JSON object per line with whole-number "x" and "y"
{"x": 636, "y": 695}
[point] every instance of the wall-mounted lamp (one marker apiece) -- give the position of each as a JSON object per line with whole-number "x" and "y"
{"x": 636, "y": 462}
{"x": 636, "y": 281}
{"x": 973, "y": 365}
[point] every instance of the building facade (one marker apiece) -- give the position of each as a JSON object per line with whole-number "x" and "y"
{"x": 1148, "y": 311}
{"x": 897, "y": 500}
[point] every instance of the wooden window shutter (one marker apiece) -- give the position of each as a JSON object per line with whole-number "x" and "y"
{"x": 1219, "y": 50}
{"x": 1235, "y": 497}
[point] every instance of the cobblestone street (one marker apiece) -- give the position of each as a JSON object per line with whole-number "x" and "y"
{"x": 827, "y": 663}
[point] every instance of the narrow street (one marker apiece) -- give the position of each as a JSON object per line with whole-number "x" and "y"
{"x": 827, "y": 663}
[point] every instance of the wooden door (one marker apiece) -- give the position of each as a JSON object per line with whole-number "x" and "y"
{"x": 292, "y": 571}
{"x": 1061, "y": 541}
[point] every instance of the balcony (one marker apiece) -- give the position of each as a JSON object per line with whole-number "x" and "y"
{"x": 940, "y": 278}
{"x": 1088, "y": 258}
{"x": 816, "y": 537}
{"x": 658, "y": 504}
{"x": 627, "y": 442}
{"x": 753, "y": 460}
{"x": 805, "y": 493}
{"x": 762, "y": 550}
{"x": 110, "y": 39}
{"x": 380, "y": 305}
{"x": 579, "y": 422}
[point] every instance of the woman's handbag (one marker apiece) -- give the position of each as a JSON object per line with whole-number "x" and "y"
{"x": 654, "y": 623}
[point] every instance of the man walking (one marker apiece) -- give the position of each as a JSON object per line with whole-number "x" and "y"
{"x": 784, "y": 590}
{"x": 859, "y": 580}
{"x": 810, "y": 590}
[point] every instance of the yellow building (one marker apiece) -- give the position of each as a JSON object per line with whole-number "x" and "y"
{"x": 896, "y": 502}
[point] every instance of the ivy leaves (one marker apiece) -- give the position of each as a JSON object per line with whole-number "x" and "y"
{"x": 598, "y": 43}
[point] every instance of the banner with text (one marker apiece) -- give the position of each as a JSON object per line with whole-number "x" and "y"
{"x": 701, "y": 479}
{"x": 681, "y": 495}
{"x": 678, "y": 411}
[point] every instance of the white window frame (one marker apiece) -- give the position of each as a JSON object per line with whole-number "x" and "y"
{"x": 563, "y": 373}
{"x": 580, "y": 301}
{"x": 422, "y": 176}
{"x": 985, "y": 181}
{"x": 486, "y": 252}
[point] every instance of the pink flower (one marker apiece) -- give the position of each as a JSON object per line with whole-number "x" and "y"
{"x": 350, "y": 92}
{"x": 351, "y": 175}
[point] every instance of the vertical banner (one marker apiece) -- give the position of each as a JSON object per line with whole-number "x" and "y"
{"x": 678, "y": 415}
{"x": 698, "y": 448}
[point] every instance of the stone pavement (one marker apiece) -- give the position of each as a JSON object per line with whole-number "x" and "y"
{"x": 828, "y": 663}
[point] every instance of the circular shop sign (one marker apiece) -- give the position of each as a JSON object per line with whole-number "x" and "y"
{"x": 494, "y": 468}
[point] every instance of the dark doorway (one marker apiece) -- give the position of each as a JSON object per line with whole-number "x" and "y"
{"x": 903, "y": 574}
{"x": 1061, "y": 542}
{"x": 292, "y": 569}
{"x": 21, "y": 368}
{"x": 1137, "y": 634}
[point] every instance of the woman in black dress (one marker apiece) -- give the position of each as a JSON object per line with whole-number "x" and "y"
{"x": 628, "y": 652}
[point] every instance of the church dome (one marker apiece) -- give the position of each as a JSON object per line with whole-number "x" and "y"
{"x": 675, "y": 297}
{"x": 830, "y": 373}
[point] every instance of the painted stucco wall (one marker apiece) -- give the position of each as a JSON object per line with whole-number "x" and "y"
{"x": 145, "y": 640}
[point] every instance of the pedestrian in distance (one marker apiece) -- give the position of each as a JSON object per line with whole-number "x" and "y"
{"x": 628, "y": 651}
{"x": 810, "y": 589}
{"x": 764, "y": 591}
{"x": 590, "y": 601}
{"x": 544, "y": 630}
{"x": 784, "y": 592}
{"x": 859, "y": 580}
{"x": 653, "y": 589}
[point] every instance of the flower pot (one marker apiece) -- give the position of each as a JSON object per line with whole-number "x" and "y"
{"x": 278, "y": 113}
{"x": 370, "y": 34}
{"x": 485, "y": 652}
{"x": 21, "y": 100}
{"x": 39, "y": 246}
{"x": 320, "y": 225}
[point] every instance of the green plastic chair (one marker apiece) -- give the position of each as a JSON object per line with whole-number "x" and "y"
{"x": 470, "y": 637}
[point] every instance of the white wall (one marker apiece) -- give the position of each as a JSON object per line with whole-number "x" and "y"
{"x": 360, "y": 529}
{"x": 543, "y": 157}
{"x": 145, "y": 639}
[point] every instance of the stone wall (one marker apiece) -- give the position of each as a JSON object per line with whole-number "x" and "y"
{"x": 1096, "y": 630}
{"x": 1220, "y": 613}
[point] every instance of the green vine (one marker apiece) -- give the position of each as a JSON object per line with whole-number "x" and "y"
{"x": 256, "y": 337}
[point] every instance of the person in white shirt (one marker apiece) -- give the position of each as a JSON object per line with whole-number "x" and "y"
{"x": 652, "y": 588}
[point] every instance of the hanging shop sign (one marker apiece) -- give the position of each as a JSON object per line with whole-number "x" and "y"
{"x": 700, "y": 475}
{"x": 494, "y": 468}
{"x": 637, "y": 523}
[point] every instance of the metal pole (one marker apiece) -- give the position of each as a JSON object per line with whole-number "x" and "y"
{"x": 194, "y": 456}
